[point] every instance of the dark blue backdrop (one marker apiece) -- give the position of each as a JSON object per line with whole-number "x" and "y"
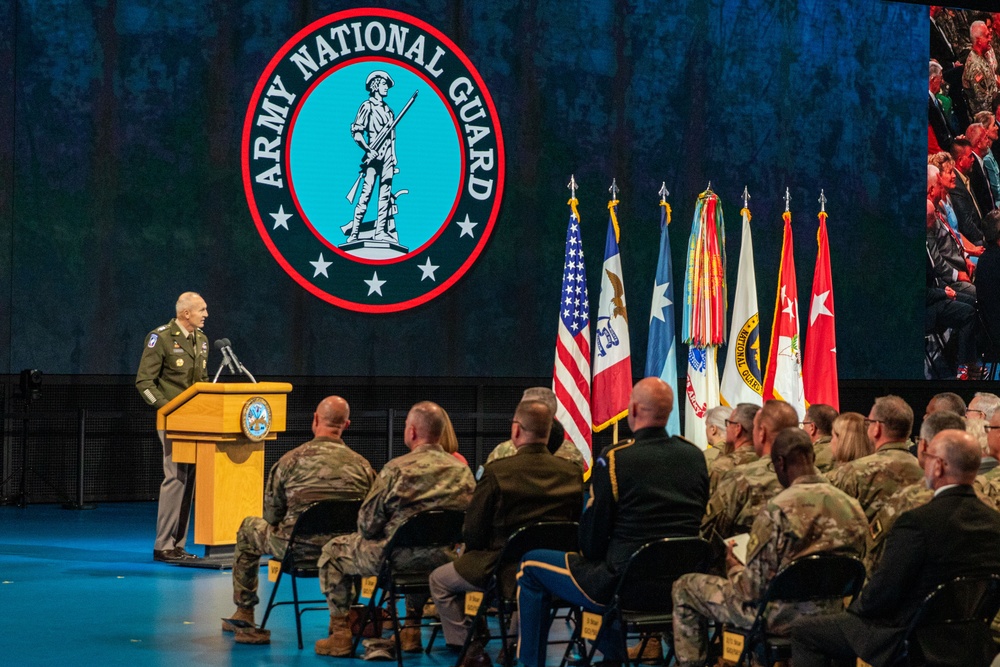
{"x": 120, "y": 181}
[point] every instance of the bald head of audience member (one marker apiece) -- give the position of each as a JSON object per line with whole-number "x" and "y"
{"x": 942, "y": 420}
{"x": 773, "y": 418}
{"x": 889, "y": 420}
{"x": 739, "y": 430}
{"x": 952, "y": 458}
{"x": 792, "y": 455}
{"x": 424, "y": 424}
{"x": 650, "y": 404}
{"x": 946, "y": 400}
{"x": 331, "y": 418}
{"x": 933, "y": 190}
{"x": 532, "y": 423}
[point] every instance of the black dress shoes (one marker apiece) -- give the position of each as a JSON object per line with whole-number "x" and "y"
{"x": 175, "y": 555}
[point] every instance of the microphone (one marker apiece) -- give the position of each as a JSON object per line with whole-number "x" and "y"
{"x": 227, "y": 358}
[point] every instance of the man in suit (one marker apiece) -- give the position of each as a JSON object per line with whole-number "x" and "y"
{"x": 174, "y": 358}
{"x": 970, "y": 216}
{"x": 953, "y": 535}
{"x": 513, "y": 492}
{"x": 979, "y": 180}
{"x": 941, "y": 130}
{"x": 643, "y": 489}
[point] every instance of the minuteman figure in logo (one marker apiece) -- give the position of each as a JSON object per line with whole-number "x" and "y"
{"x": 374, "y": 131}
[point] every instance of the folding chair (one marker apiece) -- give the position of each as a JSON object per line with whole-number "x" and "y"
{"x": 502, "y": 587}
{"x": 816, "y": 577}
{"x": 327, "y": 517}
{"x": 952, "y": 624}
{"x": 643, "y": 601}
{"x": 428, "y": 529}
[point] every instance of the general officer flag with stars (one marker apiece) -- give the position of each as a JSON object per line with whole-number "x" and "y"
{"x": 661, "y": 354}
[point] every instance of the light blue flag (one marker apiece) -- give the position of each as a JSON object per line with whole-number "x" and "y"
{"x": 661, "y": 356}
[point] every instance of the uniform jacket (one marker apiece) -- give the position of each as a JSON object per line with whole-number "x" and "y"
{"x": 873, "y": 478}
{"x": 644, "y": 489}
{"x": 516, "y": 491}
{"x": 171, "y": 363}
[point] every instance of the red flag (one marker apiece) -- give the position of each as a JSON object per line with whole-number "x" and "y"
{"x": 783, "y": 379}
{"x": 820, "y": 368}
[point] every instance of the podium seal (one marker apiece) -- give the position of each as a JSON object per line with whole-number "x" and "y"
{"x": 373, "y": 161}
{"x": 255, "y": 419}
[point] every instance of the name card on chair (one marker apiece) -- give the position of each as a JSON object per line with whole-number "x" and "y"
{"x": 368, "y": 587}
{"x": 472, "y": 601}
{"x": 273, "y": 568}
{"x": 732, "y": 646}
{"x": 862, "y": 663}
{"x": 590, "y": 625}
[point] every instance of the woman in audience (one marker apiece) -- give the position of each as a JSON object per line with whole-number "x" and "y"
{"x": 449, "y": 441}
{"x": 850, "y": 438}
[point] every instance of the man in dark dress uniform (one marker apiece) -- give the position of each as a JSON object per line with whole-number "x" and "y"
{"x": 647, "y": 488}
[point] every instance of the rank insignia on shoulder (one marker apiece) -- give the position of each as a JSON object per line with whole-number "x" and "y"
{"x": 875, "y": 529}
{"x": 152, "y": 340}
{"x": 162, "y": 327}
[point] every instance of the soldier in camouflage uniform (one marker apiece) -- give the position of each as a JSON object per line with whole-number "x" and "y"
{"x": 743, "y": 491}
{"x": 873, "y": 478}
{"x": 979, "y": 79}
{"x": 174, "y": 357}
{"x": 739, "y": 444}
{"x": 989, "y": 482}
{"x": 715, "y": 432}
{"x": 810, "y": 516}
{"x": 425, "y": 478}
{"x": 558, "y": 445}
{"x": 818, "y": 424}
{"x": 321, "y": 469}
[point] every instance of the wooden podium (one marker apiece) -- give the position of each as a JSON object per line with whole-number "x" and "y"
{"x": 221, "y": 428}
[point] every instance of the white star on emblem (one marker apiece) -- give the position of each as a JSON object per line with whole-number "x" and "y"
{"x": 375, "y": 285}
{"x": 321, "y": 266}
{"x": 280, "y": 218}
{"x": 789, "y": 308}
{"x": 660, "y": 301}
{"x": 819, "y": 307}
{"x": 467, "y": 226}
{"x": 428, "y": 270}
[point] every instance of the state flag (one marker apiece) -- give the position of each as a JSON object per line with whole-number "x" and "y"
{"x": 661, "y": 352}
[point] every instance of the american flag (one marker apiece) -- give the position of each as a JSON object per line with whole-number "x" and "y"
{"x": 571, "y": 375}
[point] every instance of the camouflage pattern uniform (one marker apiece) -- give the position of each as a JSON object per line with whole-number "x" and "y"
{"x": 425, "y": 478}
{"x": 988, "y": 479}
{"x": 904, "y": 500}
{"x": 321, "y": 469}
{"x": 741, "y": 494}
{"x": 873, "y": 478}
{"x": 810, "y": 516}
{"x": 712, "y": 453}
{"x": 980, "y": 83}
{"x": 726, "y": 462}
{"x": 824, "y": 453}
{"x": 567, "y": 450}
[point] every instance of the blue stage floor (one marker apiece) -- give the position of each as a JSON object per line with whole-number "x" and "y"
{"x": 81, "y": 588}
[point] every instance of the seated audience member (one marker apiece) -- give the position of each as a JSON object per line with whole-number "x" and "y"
{"x": 951, "y": 257}
{"x": 946, "y": 400}
{"x": 970, "y": 216}
{"x": 809, "y": 516}
{"x": 979, "y": 180}
{"x": 818, "y": 425}
{"x": 873, "y": 478}
{"x": 513, "y": 492}
{"x": 643, "y": 489}
{"x": 423, "y": 479}
{"x": 988, "y": 121}
{"x": 558, "y": 444}
{"x": 988, "y": 284}
{"x": 449, "y": 439}
{"x": 954, "y": 534}
{"x": 739, "y": 444}
{"x": 715, "y": 431}
{"x": 850, "y": 438}
{"x": 321, "y": 469}
{"x": 909, "y": 497}
{"x": 743, "y": 491}
{"x": 940, "y": 196}
{"x": 988, "y": 483}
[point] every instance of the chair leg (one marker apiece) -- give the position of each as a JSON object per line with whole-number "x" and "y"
{"x": 366, "y": 614}
{"x": 397, "y": 626}
{"x": 270, "y": 601}
{"x": 298, "y": 614}
{"x": 574, "y": 638}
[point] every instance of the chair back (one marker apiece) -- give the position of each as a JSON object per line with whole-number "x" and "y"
{"x": 648, "y": 578}
{"x": 951, "y": 626}
{"x": 816, "y": 577}
{"x": 335, "y": 516}
{"x": 430, "y": 528}
{"x": 557, "y": 535}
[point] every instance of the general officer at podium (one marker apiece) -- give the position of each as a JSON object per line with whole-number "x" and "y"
{"x": 175, "y": 357}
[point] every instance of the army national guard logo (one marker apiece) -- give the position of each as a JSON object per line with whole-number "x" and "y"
{"x": 255, "y": 419}
{"x": 373, "y": 162}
